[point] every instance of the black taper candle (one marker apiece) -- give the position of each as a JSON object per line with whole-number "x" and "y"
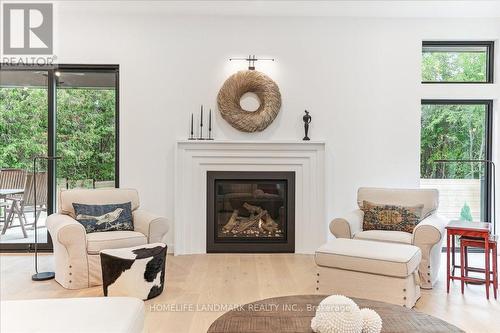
{"x": 192, "y": 127}
{"x": 201, "y": 123}
{"x": 210, "y": 124}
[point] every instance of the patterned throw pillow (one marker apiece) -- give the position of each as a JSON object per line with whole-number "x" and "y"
{"x": 390, "y": 217}
{"x": 97, "y": 218}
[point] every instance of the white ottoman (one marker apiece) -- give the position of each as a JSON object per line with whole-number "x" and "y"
{"x": 386, "y": 272}
{"x": 64, "y": 315}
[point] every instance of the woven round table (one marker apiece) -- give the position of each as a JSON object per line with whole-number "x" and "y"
{"x": 294, "y": 313}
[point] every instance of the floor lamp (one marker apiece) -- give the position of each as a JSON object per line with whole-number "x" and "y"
{"x": 489, "y": 163}
{"x": 39, "y": 276}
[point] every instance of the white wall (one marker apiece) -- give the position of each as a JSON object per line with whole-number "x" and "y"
{"x": 359, "y": 77}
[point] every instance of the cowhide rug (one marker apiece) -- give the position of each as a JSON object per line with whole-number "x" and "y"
{"x": 137, "y": 271}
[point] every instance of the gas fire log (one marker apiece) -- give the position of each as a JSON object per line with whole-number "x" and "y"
{"x": 232, "y": 221}
{"x": 258, "y": 216}
{"x": 243, "y": 225}
{"x": 269, "y": 224}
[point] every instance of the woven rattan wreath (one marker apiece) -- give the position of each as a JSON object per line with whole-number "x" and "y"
{"x": 240, "y": 83}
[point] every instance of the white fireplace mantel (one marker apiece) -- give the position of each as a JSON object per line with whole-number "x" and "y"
{"x": 195, "y": 158}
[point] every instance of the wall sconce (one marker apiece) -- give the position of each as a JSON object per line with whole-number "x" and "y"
{"x": 251, "y": 61}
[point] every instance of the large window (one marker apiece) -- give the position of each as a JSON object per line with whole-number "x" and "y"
{"x": 457, "y": 130}
{"x": 457, "y": 62}
{"x": 68, "y": 111}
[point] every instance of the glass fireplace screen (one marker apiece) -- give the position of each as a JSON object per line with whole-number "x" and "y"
{"x": 253, "y": 209}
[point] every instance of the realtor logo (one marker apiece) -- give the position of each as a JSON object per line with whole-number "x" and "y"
{"x": 28, "y": 28}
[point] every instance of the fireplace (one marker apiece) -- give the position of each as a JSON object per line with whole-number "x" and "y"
{"x": 250, "y": 211}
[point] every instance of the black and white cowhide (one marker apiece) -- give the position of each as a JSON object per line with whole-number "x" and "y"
{"x": 136, "y": 271}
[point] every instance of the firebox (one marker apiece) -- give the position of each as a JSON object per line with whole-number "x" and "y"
{"x": 250, "y": 211}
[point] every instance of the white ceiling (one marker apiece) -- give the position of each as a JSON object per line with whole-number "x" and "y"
{"x": 334, "y": 8}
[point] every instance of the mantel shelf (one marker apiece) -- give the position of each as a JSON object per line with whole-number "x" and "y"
{"x": 320, "y": 142}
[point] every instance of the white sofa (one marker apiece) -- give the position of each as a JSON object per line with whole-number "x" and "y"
{"x": 428, "y": 234}
{"x": 76, "y": 253}
{"x": 65, "y": 315}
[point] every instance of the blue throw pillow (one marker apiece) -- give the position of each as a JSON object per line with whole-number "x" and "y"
{"x": 97, "y": 218}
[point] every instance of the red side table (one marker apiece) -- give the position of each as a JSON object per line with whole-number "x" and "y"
{"x": 465, "y": 243}
{"x": 479, "y": 230}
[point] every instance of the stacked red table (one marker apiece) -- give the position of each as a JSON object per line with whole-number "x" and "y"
{"x": 480, "y": 230}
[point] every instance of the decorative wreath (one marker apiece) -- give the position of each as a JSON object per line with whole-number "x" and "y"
{"x": 236, "y": 86}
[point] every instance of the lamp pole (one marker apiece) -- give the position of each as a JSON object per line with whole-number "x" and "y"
{"x": 39, "y": 276}
{"x": 493, "y": 212}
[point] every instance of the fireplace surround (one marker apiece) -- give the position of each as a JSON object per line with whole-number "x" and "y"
{"x": 250, "y": 211}
{"x": 194, "y": 159}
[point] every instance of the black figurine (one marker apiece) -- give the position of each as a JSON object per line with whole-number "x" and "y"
{"x": 307, "y": 120}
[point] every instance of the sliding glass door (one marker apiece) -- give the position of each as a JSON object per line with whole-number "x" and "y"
{"x": 67, "y": 111}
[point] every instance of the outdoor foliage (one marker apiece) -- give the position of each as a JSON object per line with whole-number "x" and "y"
{"x": 85, "y": 130}
{"x": 452, "y": 132}
{"x": 457, "y": 67}
{"x": 23, "y": 126}
{"x": 86, "y": 134}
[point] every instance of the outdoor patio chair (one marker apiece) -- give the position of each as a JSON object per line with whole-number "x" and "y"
{"x": 26, "y": 203}
{"x": 10, "y": 179}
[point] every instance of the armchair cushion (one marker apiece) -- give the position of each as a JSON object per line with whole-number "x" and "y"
{"x": 100, "y": 218}
{"x": 390, "y": 217}
{"x": 385, "y": 236}
{"x": 98, "y": 241}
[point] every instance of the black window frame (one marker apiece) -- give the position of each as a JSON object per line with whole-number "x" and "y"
{"x": 488, "y": 132}
{"x": 51, "y": 135}
{"x": 490, "y": 73}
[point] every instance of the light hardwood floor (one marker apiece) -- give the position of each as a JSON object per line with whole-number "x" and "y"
{"x": 202, "y": 280}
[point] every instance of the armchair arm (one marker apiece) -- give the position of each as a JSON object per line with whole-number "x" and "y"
{"x": 430, "y": 230}
{"x": 70, "y": 251}
{"x": 66, "y": 230}
{"x": 154, "y": 227}
{"x": 346, "y": 227}
{"x": 428, "y": 236}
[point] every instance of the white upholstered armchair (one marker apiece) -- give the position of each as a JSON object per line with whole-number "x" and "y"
{"x": 427, "y": 235}
{"x": 76, "y": 253}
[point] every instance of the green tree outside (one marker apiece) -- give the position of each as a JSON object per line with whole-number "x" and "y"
{"x": 451, "y": 66}
{"x": 465, "y": 213}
